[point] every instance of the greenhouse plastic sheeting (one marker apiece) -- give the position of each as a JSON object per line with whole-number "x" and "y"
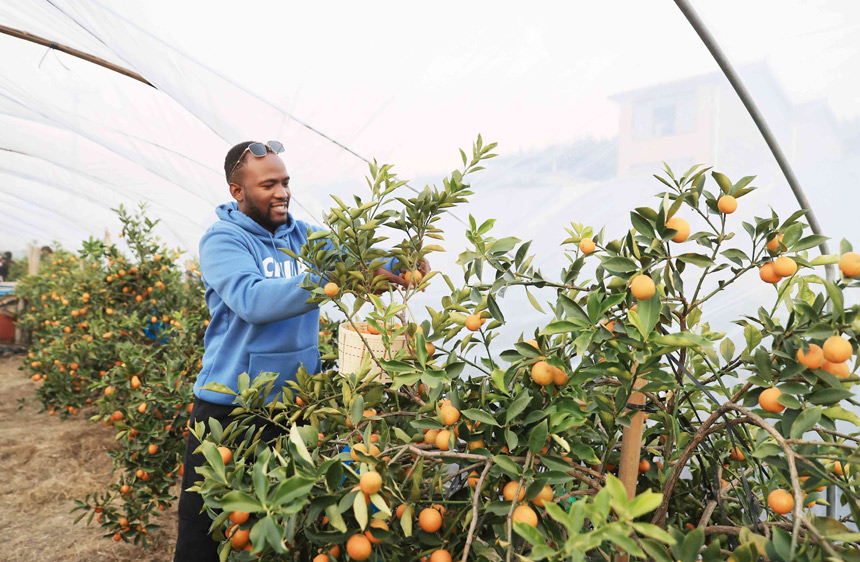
{"x": 585, "y": 100}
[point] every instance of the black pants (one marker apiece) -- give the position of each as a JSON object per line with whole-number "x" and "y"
{"x": 194, "y": 544}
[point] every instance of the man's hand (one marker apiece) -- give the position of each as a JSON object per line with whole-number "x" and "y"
{"x": 423, "y": 267}
{"x": 390, "y": 278}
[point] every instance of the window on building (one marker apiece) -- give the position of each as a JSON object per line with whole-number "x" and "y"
{"x": 663, "y": 116}
{"x": 663, "y": 121}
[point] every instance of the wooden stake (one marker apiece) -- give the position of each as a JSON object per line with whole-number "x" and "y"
{"x": 33, "y": 257}
{"x": 631, "y": 450}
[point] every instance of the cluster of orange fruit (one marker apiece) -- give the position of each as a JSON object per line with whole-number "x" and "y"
{"x": 832, "y": 357}
{"x": 442, "y": 437}
{"x": 545, "y": 374}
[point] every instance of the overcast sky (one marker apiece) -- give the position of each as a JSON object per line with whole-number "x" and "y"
{"x": 365, "y": 70}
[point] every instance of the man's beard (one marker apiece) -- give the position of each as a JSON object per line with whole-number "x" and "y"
{"x": 264, "y": 217}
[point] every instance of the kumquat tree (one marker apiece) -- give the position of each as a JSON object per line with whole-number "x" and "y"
{"x": 121, "y": 336}
{"x": 625, "y": 427}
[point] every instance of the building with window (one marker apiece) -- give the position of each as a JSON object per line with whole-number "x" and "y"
{"x": 701, "y": 120}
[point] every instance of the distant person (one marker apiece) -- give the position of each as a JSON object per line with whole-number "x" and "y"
{"x": 260, "y": 318}
{"x": 5, "y": 263}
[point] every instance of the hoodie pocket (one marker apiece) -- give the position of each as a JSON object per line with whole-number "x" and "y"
{"x": 285, "y": 364}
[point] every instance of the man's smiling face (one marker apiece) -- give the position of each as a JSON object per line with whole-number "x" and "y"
{"x": 262, "y": 190}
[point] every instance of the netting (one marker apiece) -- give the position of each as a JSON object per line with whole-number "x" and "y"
{"x": 585, "y": 101}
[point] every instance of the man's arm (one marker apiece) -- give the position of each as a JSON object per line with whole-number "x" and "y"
{"x": 230, "y": 269}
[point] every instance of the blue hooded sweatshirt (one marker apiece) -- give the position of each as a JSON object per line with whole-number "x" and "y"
{"x": 260, "y": 321}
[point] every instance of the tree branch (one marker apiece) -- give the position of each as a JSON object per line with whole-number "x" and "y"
{"x": 474, "y": 523}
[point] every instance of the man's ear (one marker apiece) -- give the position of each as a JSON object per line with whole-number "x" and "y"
{"x": 237, "y": 192}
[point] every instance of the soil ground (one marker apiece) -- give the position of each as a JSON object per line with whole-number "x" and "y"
{"x": 46, "y": 463}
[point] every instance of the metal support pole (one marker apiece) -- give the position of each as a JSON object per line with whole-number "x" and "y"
{"x": 72, "y": 51}
{"x": 745, "y": 97}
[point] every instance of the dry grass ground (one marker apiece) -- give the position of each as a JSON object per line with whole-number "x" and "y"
{"x": 45, "y": 463}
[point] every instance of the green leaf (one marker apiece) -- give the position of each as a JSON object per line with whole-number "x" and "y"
{"x": 220, "y": 388}
{"x": 237, "y": 500}
{"x": 560, "y": 327}
{"x": 727, "y": 349}
{"x": 792, "y": 234}
{"x": 767, "y": 450}
{"x": 512, "y": 439}
{"x": 726, "y": 186}
{"x": 683, "y": 339}
{"x": 518, "y": 405}
{"x": 584, "y": 453}
{"x": 213, "y": 457}
{"x": 818, "y": 331}
{"x": 494, "y": 309}
{"x": 825, "y": 260}
{"x": 649, "y": 313}
{"x": 752, "y": 337}
{"x": 481, "y": 416}
{"x": 618, "y": 264}
{"x": 642, "y": 225}
{"x": 396, "y": 366}
{"x": 503, "y": 245}
{"x": 401, "y": 435}
{"x": 842, "y": 537}
{"x": 645, "y": 503}
{"x": 261, "y": 480}
{"x": 406, "y": 521}
{"x": 291, "y": 489}
{"x": 560, "y": 516}
{"x": 805, "y": 421}
{"x": 619, "y": 497}
{"x": 781, "y": 542}
{"x": 243, "y": 382}
{"x": 498, "y": 377}
{"x": 828, "y": 396}
{"x": 840, "y": 413}
{"x": 534, "y": 302}
{"x": 836, "y": 298}
{"x": 828, "y": 526}
{"x": 692, "y": 545}
{"x": 507, "y": 465}
{"x": 529, "y": 533}
{"x": 379, "y": 502}
{"x": 763, "y": 363}
{"x": 359, "y": 508}
{"x": 809, "y": 242}
{"x": 653, "y": 531}
{"x": 538, "y": 437}
{"x": 335, "y": 518}
{"x": 655, "y": 551}
{"x": 298, "y": 442}
{"x": 697, "y": 259}
{"x": 634, "y": 318}
{"x": 736, "y": 256}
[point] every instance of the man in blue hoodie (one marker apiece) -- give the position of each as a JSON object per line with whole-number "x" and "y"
{"x": 260, "y": 320}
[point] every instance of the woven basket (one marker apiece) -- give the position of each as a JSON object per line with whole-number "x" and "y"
{"x": 351, "y": 349}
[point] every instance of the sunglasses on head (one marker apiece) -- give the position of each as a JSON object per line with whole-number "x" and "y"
{"x": 259, "y": 150}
